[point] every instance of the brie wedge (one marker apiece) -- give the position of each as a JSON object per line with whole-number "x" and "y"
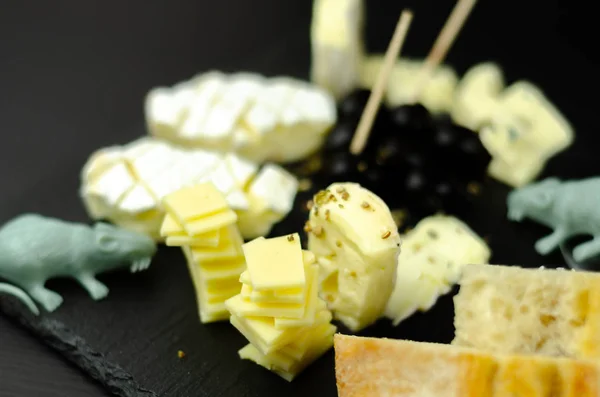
{"x": 261, "y": 119}
{"x": 125, "y": 184}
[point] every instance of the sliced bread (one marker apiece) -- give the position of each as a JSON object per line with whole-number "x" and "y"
{"x": 515, "y": 310}
{"x": 379, "y": 367}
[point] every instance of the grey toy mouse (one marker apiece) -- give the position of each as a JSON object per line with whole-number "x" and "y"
{"x": 570, "y": 208}
{"x": 34, "y": 248}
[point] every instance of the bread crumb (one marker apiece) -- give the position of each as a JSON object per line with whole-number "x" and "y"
{"x": 304, "y": 184}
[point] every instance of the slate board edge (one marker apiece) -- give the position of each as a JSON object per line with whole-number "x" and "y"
{"x": 75, "y": 349}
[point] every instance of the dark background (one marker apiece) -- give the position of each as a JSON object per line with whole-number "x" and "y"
{"x": 73, "y": 74}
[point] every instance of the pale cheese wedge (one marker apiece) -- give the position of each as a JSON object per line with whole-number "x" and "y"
{"x": 351, "y": 231}
{"x": 432, "y": 257}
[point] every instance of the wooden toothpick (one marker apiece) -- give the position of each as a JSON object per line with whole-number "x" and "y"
{"x": 443, "y": 42}
{"x": 366, "y": 120}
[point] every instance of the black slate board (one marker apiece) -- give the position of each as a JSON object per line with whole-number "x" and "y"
{"x": 82, "y": 71}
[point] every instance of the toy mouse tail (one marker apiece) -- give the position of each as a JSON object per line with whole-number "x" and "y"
{"x": 19, "y": 293}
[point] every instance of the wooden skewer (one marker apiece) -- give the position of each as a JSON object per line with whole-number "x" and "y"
{"x": 443, "y": 42}
{"x": 366, "y": 120}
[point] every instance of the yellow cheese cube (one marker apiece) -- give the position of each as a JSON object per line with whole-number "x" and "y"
{"x": 194, "y": 202}
{"x": 262, "y": 334}
{"x": 310, "y": 303}
{"x": 222, "y": 286}
{"x": 275, "y": 263}
{"x": 220, "y": 269}
{"x": 293, "y": 295}
{"x": 250, "y": 352}
{"x": 208, "y": 239}
{"x": 172, "y": 227}
{"x": 229, "y": 247}
{"x": 216, "y": 269}
{"x": 210, "y": 311}
{"x": 210, "y": 299}
{"x": 318, "y": 334}
{"x": 245, "y": 308}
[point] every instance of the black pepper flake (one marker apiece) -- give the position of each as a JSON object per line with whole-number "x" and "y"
{"x": 338, "y": 243}
{"x": 327, "y": 212}
{"x": 386, "y": 234}
{"x": 345, "y": 195}
{"x": 290, "y": 237}
{"x": 341, "y": 205}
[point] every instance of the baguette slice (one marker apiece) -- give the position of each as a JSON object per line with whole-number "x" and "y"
{"x": 384, "y": 367}
{"x": 515, "y": 310}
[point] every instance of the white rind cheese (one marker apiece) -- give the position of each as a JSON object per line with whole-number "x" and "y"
{"x": 125, "y": 184}
{"x": 337, "y": 45}
{"x": 261, "y": 119}
{"x": 352, "y": 234}
{"x": 433, "y": 255}
{"x": 437, "y": 95}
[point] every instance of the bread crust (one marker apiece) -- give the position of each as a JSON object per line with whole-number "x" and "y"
{"x": 397, "y": 368}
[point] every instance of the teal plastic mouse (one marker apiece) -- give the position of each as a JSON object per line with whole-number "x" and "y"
{"x": 570, "y": 208}
{"x": 34, "y": 248}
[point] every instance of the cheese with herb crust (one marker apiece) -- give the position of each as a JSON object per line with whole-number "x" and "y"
{"x": 355, "y": 240}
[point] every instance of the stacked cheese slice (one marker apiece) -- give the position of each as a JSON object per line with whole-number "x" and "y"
{"x": 199, "y": 220}
{"x": 125, "y": 184}
{"x": 262, "y": 119}
{"x": 278, "y": 309}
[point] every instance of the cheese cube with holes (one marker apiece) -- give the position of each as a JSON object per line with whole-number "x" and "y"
{"x": 336, "y": 36}
{"x": 195, "y": 214}
{"x": 279, "y": 309}
{"x": 355, "y": 240}
{"x": 525, "y": 131}
{"x": 261, "y": 119}
{"x": 518, "y": 125}
{"x": 126, "y": 184}
{"x": 477, "y": 95}
{"x": 433, "y": 255}
{"x": 437, "y": 95}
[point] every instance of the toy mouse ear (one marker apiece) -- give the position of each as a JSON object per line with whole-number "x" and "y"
{"x": 106, "y": 242}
